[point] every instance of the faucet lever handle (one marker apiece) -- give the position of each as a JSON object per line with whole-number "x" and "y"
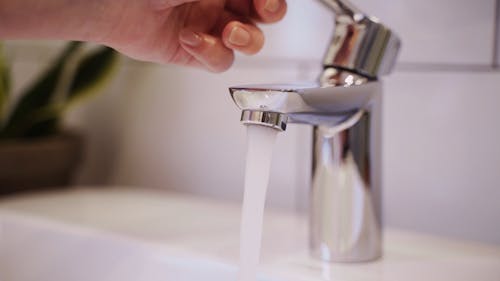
{"x": 361, "y": 43}
{"x": 342, "y": 7}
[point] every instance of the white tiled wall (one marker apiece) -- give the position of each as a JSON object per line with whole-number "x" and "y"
{"x": 187, "y": 136}
{"x": 439, "y": 31}
{"x": 171, "y": 127}
{"x": 441, "y": 153}
{"x": 302, "y": 35}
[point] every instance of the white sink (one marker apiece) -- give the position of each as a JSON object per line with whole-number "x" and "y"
{"x": 108, "y": 235}
{"x": 124, "y": 234}
{"x": 34, "y": 250}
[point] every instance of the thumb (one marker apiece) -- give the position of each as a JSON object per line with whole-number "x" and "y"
{"x": 167, "y": 4}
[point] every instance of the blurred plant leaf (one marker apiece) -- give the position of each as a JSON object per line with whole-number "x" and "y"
{"x": 4, "y": 85}
{"x": 38, "y": 95}
{"x": 92, "y": 75}
{"x": 44, "y": 121}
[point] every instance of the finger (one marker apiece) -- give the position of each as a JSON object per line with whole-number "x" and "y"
{"x": 238, "y": 33}
{"x": 166, "y": 4}
{"x": 208, "y": 50}
{"x": 246, "y": 38}
{"x": 239, "y": 7}
{"x": 260, "y": 10}
{"x": 269, "y": 11}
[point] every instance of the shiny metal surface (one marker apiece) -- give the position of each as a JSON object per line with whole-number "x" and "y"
{"x": 344, "y": 224}
{"x": 309, "y": 103}
{"x": 342, "y": 7}
{"x": 360, "y": 43}
{"x": 273, "y": 120}
{"x": 345, "y": 109}
{"x": 345, "y": 216}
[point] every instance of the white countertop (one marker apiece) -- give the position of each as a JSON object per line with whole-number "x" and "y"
{"x": 210, "y": 229}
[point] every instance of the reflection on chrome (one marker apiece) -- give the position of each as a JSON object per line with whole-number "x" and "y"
{"x": 345, "y": 223}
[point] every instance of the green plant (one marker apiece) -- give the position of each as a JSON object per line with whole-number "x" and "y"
{"x": 76, "y": 74}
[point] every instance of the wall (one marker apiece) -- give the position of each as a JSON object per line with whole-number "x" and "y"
{"x": 176, "y": 128}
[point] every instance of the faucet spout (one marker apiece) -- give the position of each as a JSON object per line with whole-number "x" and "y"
{"x": 276, "y": 105}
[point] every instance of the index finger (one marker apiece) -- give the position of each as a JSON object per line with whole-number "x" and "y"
{"x": 269, "y": 11}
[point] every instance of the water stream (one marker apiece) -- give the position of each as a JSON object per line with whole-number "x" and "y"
{"x": 260, "y": 143}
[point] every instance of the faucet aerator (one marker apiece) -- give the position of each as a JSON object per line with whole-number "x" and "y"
{"x": 273, "y": 120}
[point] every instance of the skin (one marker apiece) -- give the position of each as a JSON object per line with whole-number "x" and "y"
{"x": 199, "y": 33}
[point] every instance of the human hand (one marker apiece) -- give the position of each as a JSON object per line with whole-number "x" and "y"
{"x": 200, "y": 33}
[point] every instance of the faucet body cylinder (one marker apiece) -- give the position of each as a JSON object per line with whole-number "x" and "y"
{"x": 345, "y": 215}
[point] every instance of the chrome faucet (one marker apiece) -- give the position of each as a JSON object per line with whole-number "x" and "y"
{"x": 345, "y": 110}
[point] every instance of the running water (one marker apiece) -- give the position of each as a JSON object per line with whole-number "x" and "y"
{"x": 260, "y": 142}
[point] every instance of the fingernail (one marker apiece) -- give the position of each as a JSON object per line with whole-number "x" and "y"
{"x": 272, "y": 5}
{"x": 190, "y": 38}
{"x": 239, "y": 36}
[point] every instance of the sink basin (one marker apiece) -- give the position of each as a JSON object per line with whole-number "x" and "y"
{"x": 36, "y": 250}
{"x": 126, "y": 234}
{"x": 95, "y": 235}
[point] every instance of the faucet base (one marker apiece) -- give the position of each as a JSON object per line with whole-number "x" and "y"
{"x": 345, "y": 209}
